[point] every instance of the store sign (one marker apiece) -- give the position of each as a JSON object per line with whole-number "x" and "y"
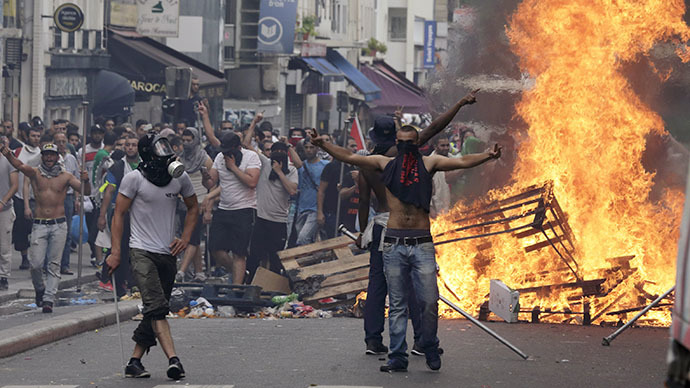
{"x": 148, "y": 87}
{"x": 123, "y": 15}
{"x": 310, "y": 49}
{"x": 158, "y": 18}
{"x": 429, "y": 43}
{"x": 68, "y": 17}
{"x": 277, "y": 20}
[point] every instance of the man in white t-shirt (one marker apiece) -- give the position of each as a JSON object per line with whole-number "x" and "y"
{"x": 236, "y": 171}
{"x": 150, "y": 195}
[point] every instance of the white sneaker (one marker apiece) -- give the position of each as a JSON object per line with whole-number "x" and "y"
{"x": 179, "y": 277}
{"x": 199, "y": 277}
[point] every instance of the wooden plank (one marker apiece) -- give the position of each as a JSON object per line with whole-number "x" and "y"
{"x": 343, "y": 253}
{"x": 543, "y": 244}
{"x": 305, "y": 250}
{"x": 332, "y": 267}
{"x": 348, "y": 288}
{"x": 346, "y": 277}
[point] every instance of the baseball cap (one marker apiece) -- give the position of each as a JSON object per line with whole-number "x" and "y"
{"x": 50, "y": 147}
{"x": 383, "y": 131}
{"x": 229, "y": 141}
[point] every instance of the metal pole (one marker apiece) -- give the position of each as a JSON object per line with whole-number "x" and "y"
{"x": 117, "y": 319}
{"x": 606, "y": 341}
{"x": 461, "y": 311}
{"x": 481, "y": 326}
{"x": 207, "y": 251}
{"x": 85, "y": 106}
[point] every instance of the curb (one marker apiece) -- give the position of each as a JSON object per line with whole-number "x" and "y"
{"x": 20, "y": 339}
{"x": 4, "y": 298}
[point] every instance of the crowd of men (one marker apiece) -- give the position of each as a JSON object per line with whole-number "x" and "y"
{"x": 247, "y": 193}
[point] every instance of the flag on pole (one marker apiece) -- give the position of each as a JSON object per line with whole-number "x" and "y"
{"x": 357, "y": 133}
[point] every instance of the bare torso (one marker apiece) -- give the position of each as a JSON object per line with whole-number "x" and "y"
{"x": 50, "y": 194}
{"x": 403, "y": 215}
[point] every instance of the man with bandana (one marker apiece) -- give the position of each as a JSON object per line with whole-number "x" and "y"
{"x": 49, "y": 182}
{"x": 408, "y": 251}
{"x": 195, "y": 161}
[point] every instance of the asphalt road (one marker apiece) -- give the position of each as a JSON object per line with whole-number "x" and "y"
{"x": 330, "y": 352}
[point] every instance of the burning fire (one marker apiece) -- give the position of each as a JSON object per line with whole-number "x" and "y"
{"x": 586, "y": 134}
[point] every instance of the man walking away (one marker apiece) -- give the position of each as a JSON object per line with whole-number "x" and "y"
{"x": 49, "y": 182}
{"x": 150, "y": 195}
{"x": 408, "y": 249}
{"x": 8, "y": 186}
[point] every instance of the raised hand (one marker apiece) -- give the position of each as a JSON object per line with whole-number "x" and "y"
{"x": 496, "y": 153}
{"x": 471, "y": 98}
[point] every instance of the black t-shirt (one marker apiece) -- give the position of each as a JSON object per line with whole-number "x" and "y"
{"x": 348, "y": 207}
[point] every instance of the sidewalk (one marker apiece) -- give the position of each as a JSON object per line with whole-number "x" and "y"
{"x": 21, "y": 279}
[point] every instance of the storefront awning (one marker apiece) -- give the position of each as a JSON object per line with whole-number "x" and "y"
{"x": 360, "y": 81}
{"x": 396, "y": 90}
{"x": 323, "y": 67}
{"x": 143, "y": 61}
{"x": 113, "y": 95}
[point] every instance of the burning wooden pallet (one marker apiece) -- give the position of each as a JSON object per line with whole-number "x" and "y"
{"x": 536, "y": 216}
{"x": 326, "y": 269}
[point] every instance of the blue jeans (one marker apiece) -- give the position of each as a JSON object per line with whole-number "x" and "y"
{"x": 375, "y": 308}
{"x": 47, "y": 243}
{"x": 403, "y": 264}
{"x": 306, "y": 227}
{"x": 69, "y": 211}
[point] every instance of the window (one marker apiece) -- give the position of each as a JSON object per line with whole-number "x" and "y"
{"x": 84, "y": 40}
{"x": 57, "y": 38}
{"x": 230, "y": 11}
{"x": 397, "y": 24}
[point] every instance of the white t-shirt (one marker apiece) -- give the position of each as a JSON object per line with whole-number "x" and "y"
{"x": 91, "y": 152}
{"x": 234, "y": 194}
{"x": 271, "y": 195}
{"x": 25, "y": 155}
{"x": 152, "y": 212}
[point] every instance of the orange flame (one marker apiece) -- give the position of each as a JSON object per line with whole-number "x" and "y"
{"x": 586, "y": 133}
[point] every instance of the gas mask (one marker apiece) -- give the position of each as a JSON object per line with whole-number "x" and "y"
{"x": 159, "y": 163}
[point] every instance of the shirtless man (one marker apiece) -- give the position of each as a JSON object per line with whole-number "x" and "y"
{"x": 383, "y": 137}
{"x": 408, "y": 250}
{"x": 49, "y": 182}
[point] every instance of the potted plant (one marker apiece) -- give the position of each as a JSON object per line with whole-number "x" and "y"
{"x": 307, "y": 26}
{"x": 374, "y": 46}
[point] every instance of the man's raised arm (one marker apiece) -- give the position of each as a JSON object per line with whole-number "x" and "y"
{"x": 443, "y": 120}
{"x": 344, "y": 155}
{"x": 442, "y": 163}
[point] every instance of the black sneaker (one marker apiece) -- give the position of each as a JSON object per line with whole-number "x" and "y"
{"x": 376, "y": 348}
{"x": 433, "y": 361}
{"x": 25, "y": 265}
{"x": 47, "y": 307}
{"x": 417, "y": 350}
{"x": 4, "y": 285}
{"x": 175, "y": 370}
{"x": 135, "y": 369}
{"x": 394, "y": 366}
{"x": 39, "y": 298}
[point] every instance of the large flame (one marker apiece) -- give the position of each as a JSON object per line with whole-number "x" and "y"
{"x": 586, "y": 134}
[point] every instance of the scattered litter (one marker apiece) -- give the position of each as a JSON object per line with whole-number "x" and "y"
{"x": 82, "y": 301}
{"x": 31, "y": 305}
{"x": 135, "y": 295}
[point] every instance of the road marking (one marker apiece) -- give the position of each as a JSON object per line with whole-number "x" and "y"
{"x": 40, "y": 386}
{"x": 193, "y": 386}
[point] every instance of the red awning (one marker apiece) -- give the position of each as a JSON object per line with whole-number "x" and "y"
{"x": 396, "y": 90}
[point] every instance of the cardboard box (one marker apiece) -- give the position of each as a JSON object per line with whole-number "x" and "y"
{"x": 270, "y": 281}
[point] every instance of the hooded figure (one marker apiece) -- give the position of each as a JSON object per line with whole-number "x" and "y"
{"x": 406, "y": 177}
{"x": 159, "y": 164}
{"x": 193, "y": 155}
{"x": 382, "y": 134}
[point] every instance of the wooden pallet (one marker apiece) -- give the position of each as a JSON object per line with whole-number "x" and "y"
{"x": 344, "y": 272}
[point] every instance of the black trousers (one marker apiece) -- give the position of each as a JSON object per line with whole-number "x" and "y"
{"x": 268, "y": 238}
{"x": 21, "y": 229}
